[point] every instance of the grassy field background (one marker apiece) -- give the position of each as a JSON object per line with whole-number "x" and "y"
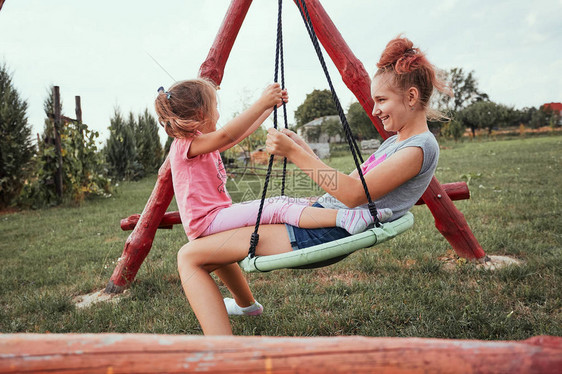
{"x": 399, "y": 288}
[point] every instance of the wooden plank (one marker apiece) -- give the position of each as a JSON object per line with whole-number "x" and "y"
{"x": 143, "y": 353}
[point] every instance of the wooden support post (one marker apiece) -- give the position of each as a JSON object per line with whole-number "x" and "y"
{"x": 448, "y": 219}
{"x": 213, "y": 67}
{"x": 453, "y": 226}
{"x": 139, "y": 242}
{"x": 143, "y": 353}
{"x": 58, "y": 147}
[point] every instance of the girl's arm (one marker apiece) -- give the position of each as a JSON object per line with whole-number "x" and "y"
{"x": 233, "y": 130}
{"x": 250, "y": 130}
{"x": 397, "y": 169}
{"x": 299, "y": 141}
{"x": 258, "y": 123}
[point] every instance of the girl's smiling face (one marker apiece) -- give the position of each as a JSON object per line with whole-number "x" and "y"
{"x": 390, "y": 105}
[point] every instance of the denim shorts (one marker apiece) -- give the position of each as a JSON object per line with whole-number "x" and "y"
{"x": 304, "y": 238}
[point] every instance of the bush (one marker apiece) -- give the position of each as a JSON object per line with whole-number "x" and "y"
{"x": 16, "y": 149}
{"x": 453, "y": 129}
{"x": 82, "y": 165}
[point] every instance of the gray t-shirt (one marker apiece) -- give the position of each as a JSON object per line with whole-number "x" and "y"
{"x": 401, "y": 199}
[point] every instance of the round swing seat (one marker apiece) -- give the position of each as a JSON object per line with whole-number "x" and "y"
{"x": 328, "y": 253}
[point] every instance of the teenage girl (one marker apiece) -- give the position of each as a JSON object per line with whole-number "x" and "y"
{"x": 403, "y": 167}
{"x": 188, "y": 112}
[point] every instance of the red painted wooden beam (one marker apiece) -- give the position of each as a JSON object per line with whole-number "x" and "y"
{"x": 139, "y": 243}
{"x": 144, "y": 353}
{"x": 455, "y": 191}
{"x": 213, "y": 67}
{"x": 448, "y": 219}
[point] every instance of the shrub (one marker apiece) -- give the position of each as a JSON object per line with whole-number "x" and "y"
{"x": 82, "y": 165}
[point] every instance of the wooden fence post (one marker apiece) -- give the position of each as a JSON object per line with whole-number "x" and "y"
{"x": 58, "y": 147}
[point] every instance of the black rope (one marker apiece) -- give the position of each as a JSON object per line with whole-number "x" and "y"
{"x": 352, "y": 144}
{"x": 278, "y": 59}
{"x": 282, "y": 61}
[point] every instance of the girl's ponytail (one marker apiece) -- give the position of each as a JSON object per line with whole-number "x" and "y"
{"x": 186, "y": 107}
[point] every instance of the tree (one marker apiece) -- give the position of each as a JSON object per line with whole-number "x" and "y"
{"x": 360, "y": 123}
{"x": 147, "y": 140}
{"x": 16, "y": 148}
{"x": 551, "y": 116}
{"x": 484, "y": 115}
{"x": 465, "y": 91}
{"x": 318, "y": 103}
{"x": 120, "y": 149}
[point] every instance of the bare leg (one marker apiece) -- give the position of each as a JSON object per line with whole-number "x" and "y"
{"x": 197, "y": 259}
{"x": 236, "y": 283}
{"x": 312, "y": 218}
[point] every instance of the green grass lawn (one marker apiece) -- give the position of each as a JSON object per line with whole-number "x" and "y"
{"x": 399, "y": 288}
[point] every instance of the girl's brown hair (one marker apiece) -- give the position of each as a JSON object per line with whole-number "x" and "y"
{"x": 409, "y": 67}
{"x": 186, "y": 107}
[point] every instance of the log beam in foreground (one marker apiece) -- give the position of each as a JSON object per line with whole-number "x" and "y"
{"x": 134, "y": 353}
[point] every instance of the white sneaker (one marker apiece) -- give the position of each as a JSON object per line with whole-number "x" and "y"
{"x": 234, "y": 309}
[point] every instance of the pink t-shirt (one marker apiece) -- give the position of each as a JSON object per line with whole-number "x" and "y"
{"x": 371, "y": 163}
{"x": 199, "y": 186}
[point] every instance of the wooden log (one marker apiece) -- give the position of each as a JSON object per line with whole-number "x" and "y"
{"x": 455, "y": 191}
{"x": 168, "y": 220}
{"x": 213, "y": 66}
{"x": 139, "y": 243}
{"x": 448, "y": 219}
{"x": 143, "y": 353}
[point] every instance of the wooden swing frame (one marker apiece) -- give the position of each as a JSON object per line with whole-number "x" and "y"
{"x": 448, "y": 219}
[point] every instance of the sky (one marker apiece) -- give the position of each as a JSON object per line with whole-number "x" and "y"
{"x": 105, "y": 50}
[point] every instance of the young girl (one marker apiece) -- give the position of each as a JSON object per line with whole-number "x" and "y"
{"x": 188, "y": 112}
{"x": 401, "y": 170}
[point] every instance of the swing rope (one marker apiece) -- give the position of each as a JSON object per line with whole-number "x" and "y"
{"x": 350, "y": 140}
{"x": 278, "y": 61}
{"x": 349, "y": 135}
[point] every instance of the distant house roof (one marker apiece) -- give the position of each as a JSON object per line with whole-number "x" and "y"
{"x": 319, "y": 121}
{"x": 553, "y": 106}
